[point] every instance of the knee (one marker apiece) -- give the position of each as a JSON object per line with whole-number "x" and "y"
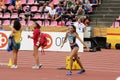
{"x": 34, "y": 54}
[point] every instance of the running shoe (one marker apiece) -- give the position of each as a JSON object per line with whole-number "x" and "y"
{"x": 37, "y": 66}
{"x": 14, "y": 67}
{"x": 81, "y": 71}
{"x": 69, "y": 73}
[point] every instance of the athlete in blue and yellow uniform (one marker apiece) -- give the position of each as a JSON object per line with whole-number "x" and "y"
{"x": 72, "y": 35}
{"x": 16, "y": 34}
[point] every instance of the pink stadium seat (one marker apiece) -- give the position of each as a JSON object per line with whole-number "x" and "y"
{"x": 91, "y": 10}
{"x": 30, "y": 22}
{"x": 6, "y": 19}
{"x": 23, "y": 22}
{"x": 40, "y": 9}
{"x": 7, "y": 1}
{"x": 23, "y": 1}
{"x": 53, "y": 23}
{"x": 6, "y": 22}
{"x": 24, "y": 8}
{"x": 1, "y": 15}
{"x": 46, "y": 23}
{"x": 115, "y": 24}
{"x": 6, "y": 16}
{"x": 10, "y": 7}
{"x": 0, "y": 22}
{"x": 14, "y": 16}
{"x": 21, "y": 15}
{"x": 61, "y": 23}
{"x": 69, "y": 23}
{"x": 12, "y": 22}
{"x": 36, "y": 16}
{"x": 40, "y": 23}
{"x": 118, "y": 18}
{"x": 54, "y": 2}
{"x": 34, "y": 9}
{"x": 30, "y": 2}
{"x": 44, "y": 16}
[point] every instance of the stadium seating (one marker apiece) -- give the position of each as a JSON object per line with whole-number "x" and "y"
{"x": 118, "y": 20}
{"x": 21, "y": 15}
{"x": 6, "y": 16}
{"x": 23, "y": 2}
{"x": 30, "y": 2}
{"x": 40, "y": 23}
{"x": 14, "y": 16}
{"x": 116, "y": 23}
{"x": 36, "y": 17}
{"x": 53, "y": 23}
{"x": 1, "y": 15}
{"x": 34, "y": 9}
{"x": 23, "y": 22}
{"x": 39, "y": 15}
{"x": 29, "y": 23}
{"x": 6, "y": 22}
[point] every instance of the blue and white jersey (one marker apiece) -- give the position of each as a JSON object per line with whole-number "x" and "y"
{"x": 71, "y": 38}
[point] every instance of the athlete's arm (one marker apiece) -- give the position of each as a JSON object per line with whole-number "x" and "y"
{"x": 64, "y": 39}
{"x": 77, "y": 36}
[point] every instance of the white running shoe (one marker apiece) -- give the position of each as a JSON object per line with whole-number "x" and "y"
{"x": 14, "y": 67}
{"x": 37, "y": 66}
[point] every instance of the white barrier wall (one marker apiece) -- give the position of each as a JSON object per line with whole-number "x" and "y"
{"x": 55, "y": 40}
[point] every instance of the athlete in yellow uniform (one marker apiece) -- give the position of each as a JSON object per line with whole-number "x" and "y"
{"x": 16, "y": 34}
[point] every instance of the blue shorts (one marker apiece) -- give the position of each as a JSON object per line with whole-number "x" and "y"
{"x": 76, "y": 45}
{"x": 17, "y": 46}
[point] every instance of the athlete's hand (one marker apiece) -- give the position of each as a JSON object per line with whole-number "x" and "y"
{"x": 61, "y": 46}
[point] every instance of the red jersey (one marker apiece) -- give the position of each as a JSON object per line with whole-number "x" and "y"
{"x": 43, "y": 40}
{"x": 36, "y": 34}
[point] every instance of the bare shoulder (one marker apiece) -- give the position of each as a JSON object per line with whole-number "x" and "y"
{"x": 13, "y": 30}
{"x": 75, "y": 33}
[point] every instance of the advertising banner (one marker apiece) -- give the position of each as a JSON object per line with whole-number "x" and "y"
{"x": 54, "y": 41}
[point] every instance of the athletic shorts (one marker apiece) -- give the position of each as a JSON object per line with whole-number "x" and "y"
{"x": 76, "y": 45}
{"x": 17, "y": 46}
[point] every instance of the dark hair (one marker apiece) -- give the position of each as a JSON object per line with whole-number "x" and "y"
{"x": 17, "y": 25}
{"x": 74, "y": 28}
{"x": 37, "y": 25}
